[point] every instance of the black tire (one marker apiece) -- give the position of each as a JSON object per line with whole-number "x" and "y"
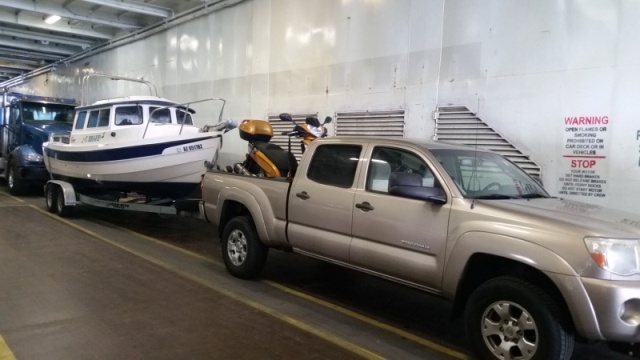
{"x": 50, "y": 198}
{"x": 495, "y": 315}
{"x": 17, "y": 185}
{"x": 62, "y": 209}
{"x": 243, "y": 253}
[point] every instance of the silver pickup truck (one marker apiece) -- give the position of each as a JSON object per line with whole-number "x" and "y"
{"x": 529, "y": 272}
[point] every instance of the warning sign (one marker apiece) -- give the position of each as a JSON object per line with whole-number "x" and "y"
{"x": 585, "y": 156}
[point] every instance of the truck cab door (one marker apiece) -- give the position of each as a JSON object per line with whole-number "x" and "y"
{"x": 321, "y": 202}
{"x": 398, "y": 236}
{"x": 14, "y": 122}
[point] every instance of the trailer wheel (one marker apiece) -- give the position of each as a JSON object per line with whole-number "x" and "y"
{"x": 508, "y": 318}
{"x": 17, "y": 186}
{"x": 243, "y": 253}
{"x": 62, "y": 209}
{"x": 50, "y": 196}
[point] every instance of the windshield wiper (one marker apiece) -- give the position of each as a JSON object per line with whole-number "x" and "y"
{"x": 493, "y": 197}
{"x": 531, "y": 196}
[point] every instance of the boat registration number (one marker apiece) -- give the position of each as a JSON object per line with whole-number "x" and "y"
{"x": 193, "y": 147}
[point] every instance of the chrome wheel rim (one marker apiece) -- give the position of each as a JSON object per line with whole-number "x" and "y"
{"x": 10, "y": 178}
{"x": 237, "y": 247}
{"x": 60, "y": 201}
{"x": 50, "y": 199}
{"x": 509, "y": 331}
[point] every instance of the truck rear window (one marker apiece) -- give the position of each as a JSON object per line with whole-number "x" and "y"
{"x": 334, "y": 165}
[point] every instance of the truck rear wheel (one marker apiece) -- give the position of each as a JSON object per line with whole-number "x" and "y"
{"x": 243, "y": 253}
{"x": 508, "y": 318}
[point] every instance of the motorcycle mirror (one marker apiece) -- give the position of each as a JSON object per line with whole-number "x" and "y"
{"x": 327, "y": 120}
{"x": 285, "y": 117}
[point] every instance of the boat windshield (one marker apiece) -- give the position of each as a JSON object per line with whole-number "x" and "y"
{"x": 484, "y": 175}
{"x": 32, "y": 112}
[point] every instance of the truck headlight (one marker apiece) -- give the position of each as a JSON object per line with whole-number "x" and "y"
{"x": 33, "y": 157}
{"x": 620, "y": 256}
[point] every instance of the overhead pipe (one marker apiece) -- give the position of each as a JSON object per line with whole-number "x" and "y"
{"x": 140, "y": 34}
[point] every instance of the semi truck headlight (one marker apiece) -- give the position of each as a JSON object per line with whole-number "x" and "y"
{"x": 620, "y": 256}
{"x": 33, "y": 157}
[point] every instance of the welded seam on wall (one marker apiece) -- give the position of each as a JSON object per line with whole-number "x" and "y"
{"x": 143, "y": 33}
{"x": 435, "y": 126}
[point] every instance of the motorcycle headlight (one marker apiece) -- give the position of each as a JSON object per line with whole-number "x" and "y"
{"x": 619, "y": 256}
{"x": 33, "y": 157}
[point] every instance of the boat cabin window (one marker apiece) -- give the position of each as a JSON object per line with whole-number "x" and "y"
{"x": 82, "y": 116}
{"x": 160, "y": 115}
{"x": 99, "y": 118}
{"x": 128, "y": 115}
{"x": 184, "y": 116}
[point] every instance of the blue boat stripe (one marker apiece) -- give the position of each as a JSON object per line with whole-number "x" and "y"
{"x": 131, "y": 152}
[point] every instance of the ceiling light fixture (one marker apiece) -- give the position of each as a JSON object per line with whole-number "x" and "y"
{"x": 51, "y": 19}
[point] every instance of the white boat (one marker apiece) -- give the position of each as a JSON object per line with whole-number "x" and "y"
{"x": 142, "y": 144}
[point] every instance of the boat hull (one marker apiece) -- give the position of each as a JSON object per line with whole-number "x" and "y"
{"x": 158, "y": 168}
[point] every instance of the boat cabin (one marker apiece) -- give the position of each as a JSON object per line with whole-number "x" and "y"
{"x": 133, "y": 117}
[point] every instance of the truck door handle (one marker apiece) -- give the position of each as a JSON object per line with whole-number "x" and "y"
{"x": 365, "y": 206}
{"x": 303, "y": 195}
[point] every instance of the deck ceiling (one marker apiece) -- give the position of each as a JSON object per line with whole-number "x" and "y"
{"x": 27, "y": 42}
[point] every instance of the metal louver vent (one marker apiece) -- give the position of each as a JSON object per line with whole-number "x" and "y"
{"x": 280, "y": 126}
{"x": 458, "y": 124}
{"x": 375, "y": 123}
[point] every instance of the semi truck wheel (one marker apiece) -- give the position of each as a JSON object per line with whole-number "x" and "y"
{"x": 243, "y": 253}
{"x": 17, "y": 186}
{"x": 508, "y": 318}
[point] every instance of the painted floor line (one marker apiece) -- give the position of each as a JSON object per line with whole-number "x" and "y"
{"x": 417, "y": 339}
{"x": 366, "y": 354}
{"x": 12, "y": 197}
{"x": 405, "y": 334}
{"x": 5, "y": 352}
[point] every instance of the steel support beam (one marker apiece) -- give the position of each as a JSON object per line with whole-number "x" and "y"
{"x": 135, "y": 7}
{"x": 25, "y": 18}
{"x": 65, "y": 13}
{"x": 42, "y": 37}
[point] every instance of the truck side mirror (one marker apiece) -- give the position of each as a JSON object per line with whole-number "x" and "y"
{"x": 409, "y": 185}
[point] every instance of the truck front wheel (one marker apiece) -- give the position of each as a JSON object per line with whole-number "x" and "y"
{"x": 243, "y": 253}
{"x": 17, "y": 185}
{"x": 508, "y": 318}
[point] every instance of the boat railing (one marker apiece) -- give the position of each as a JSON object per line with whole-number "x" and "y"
{"x": 60, "y": 138}
{"x": 186, "y": 106}
{"x": 85, "y": 81}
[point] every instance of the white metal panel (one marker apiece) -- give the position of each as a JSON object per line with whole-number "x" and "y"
{"x": 523, "y": 66}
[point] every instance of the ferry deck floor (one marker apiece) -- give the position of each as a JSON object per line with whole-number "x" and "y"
{"x": 107, "y": 284}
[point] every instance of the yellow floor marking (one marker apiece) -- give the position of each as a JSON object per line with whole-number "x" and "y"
{"x": 5, "y": 352}
{"x": 11, "y": 197}
{"x": 370, "y": 321}
{"x": 321, "y": 333}
{"x": 373, "y": 322}
{"x": 14, "y": 205}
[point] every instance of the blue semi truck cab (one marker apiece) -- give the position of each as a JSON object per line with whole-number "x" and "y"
{"x": 26, "y": 122}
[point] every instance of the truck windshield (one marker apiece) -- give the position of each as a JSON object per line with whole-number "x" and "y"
{"x": 47, "y": 112}
{"x": 484, "y": 175}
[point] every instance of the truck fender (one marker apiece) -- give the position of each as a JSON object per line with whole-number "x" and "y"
{"x": 557, "y": 270}
{"x": 18, "y": 152}
{"x": 259, "y": 214}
